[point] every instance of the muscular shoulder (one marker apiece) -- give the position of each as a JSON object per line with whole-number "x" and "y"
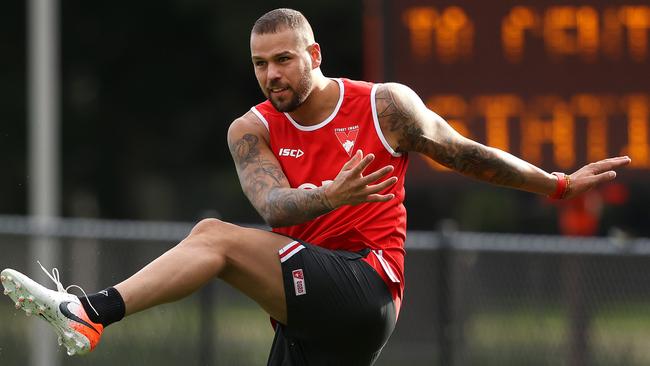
{"x": 249, "y": 123}
{"x": 246, "y": 135}
{"x": 397, "y": 101}
{"x": 400, "y": 112}
{"x": 397, "y": 90}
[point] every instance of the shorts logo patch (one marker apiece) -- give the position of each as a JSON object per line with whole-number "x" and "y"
{"x": 299, "y": 282}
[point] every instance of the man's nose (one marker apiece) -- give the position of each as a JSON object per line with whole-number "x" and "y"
{"x": 273, "y": 72}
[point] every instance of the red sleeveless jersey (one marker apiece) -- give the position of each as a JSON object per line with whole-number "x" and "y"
{"x": 312, "y": 156}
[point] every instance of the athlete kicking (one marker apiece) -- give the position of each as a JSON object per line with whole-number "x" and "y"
{"x": 323, "y": 161}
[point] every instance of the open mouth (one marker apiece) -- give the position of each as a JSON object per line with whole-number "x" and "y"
{"x": 278, "y": 90}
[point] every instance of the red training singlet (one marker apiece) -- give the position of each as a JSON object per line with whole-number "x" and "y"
{"x": 312, "y": 156}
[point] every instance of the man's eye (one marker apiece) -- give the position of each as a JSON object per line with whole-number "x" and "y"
{"x": 260, "y": 63}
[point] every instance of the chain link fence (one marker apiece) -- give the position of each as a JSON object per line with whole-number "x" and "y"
{"x": 471, "y": 299}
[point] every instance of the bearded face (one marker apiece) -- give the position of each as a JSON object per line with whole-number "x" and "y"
{"x": 283, "y": 68}
{"x": 285, "y": 97}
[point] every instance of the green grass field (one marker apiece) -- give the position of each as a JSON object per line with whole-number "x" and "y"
{"x": 169, "y": 335}
{"x": 618, "y": 335}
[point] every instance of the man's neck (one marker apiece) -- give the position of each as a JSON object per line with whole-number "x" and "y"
{"x": 320, "y": 103}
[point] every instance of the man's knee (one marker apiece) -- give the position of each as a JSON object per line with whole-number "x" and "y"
{"x": 212, "y": 233}
{"x": 210, "y": 227}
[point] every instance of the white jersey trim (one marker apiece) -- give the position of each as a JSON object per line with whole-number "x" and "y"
{"x": 328, "y": 119}
{"x": 386, "y": 266}
{"x": 377, "y": 126}
{"x": 261, "y": 117}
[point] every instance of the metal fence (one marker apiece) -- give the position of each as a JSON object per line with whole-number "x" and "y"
{"x": 471, "y": 299}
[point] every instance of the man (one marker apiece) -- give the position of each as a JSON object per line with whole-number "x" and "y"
{"x": 323, "y": 162}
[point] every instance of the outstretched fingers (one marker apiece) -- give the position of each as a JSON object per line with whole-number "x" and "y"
{"x": 603, "y": 177}
{"x": 351, "y": 187}
{"x": 376, "y": 188}
{"x": 609, "y": 164}
{"x": 372, "y": 190}
{"x": 603, "y": 170}
{"x": 354, "y": 160}
{"x": 380, "y": 197}
{"x": 363, "y": 164}
{"x": 376, "y": 175}
{"x": 594, "y": 174}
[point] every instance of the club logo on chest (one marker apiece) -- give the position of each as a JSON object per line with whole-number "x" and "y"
{"x": 347, "y": 136}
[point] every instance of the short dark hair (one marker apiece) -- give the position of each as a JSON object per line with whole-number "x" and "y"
{"x": 279, "y": 19}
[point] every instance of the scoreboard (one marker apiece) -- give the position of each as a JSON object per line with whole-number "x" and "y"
{"x": 557, "y": 84}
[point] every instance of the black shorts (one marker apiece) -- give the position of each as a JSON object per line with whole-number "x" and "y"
{"x": 339, "y": 310}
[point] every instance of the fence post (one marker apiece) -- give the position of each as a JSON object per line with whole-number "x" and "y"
{"x": 445, "y": 307}
{"x": 579, "y": 314}
{"x": 207, "y": 324}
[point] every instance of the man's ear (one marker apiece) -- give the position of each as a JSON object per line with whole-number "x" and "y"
{"x": 315, "y": 54}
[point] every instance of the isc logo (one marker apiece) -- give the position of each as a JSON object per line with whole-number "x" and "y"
{"x": 296, "y": 153}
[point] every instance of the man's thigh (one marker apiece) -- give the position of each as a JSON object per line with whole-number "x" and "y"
{"x": 253, "y": 267}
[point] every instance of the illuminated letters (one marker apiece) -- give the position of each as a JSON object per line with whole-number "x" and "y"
{"x": 569, "y": 30}
{"x": 559, "y": 131}
{"x": 560, "y": 85}
{"x": 637, "y": 129}
{"x": 454, "y": 32}
{"x": 637, "y": 21}
{"x": 513, "y": 28}
{"x": 421, "y": 22}
{"x": 549, "y": 122}
{"x": 595, "y": 109}
{"x": 497, "y": 109}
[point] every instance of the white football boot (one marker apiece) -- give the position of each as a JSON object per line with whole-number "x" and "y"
{"x": 59, "y": 308}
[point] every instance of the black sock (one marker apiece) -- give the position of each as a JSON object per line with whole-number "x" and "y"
{"x": 108, "y": 303}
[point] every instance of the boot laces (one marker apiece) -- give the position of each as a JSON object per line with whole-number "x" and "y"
{"x": 59, "y": 286}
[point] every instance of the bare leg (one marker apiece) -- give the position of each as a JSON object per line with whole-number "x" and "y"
{"x": 245, "y": 258}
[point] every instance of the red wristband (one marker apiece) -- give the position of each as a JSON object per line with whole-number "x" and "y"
{"x": 562, "y": 185}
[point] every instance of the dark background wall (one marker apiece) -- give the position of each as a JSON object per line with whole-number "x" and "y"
{"x": 148, "y": 91}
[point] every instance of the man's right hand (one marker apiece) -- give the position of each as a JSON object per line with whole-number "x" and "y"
{"x": 351, "y": 187}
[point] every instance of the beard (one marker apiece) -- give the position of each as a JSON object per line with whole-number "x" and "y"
{"x": 298, "y": 95}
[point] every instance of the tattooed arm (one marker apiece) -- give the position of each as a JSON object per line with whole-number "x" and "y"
{"x": 409, "y": 125}
{"x": 263, "y": 180}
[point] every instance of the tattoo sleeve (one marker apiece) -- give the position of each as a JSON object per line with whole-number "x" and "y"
{"x": 266, "y": 186}
{"x": 413, "y": 127}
